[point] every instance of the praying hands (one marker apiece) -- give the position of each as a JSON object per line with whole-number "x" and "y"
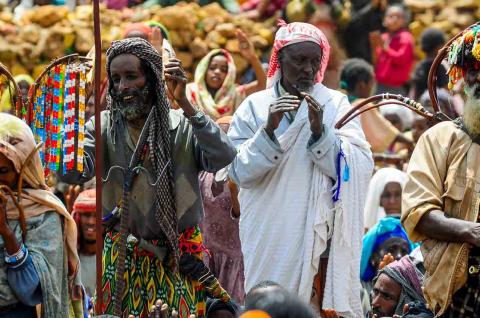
{"x": 315, "y": 115}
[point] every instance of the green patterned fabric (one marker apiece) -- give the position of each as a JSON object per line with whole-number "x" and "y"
{"x": 148, "y": 279}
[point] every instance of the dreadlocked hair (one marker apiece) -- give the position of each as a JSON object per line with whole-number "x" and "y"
{"x": 158, "y": 140}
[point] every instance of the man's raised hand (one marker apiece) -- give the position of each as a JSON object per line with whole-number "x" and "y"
{"x": 283, "y": 104}
{"x": 156, "y": 40}
{"x": 176, "y": 79}
{"x": 315, "y": 115}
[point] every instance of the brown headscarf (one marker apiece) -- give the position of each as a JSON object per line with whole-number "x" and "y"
{"x": 18, "y": 144}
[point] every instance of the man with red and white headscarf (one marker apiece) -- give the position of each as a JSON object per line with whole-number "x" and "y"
{"x": 84, "y": 215}
{"x": 289, "y": 159}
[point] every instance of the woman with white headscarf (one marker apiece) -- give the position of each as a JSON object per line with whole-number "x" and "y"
{"x": 384, "y": 197}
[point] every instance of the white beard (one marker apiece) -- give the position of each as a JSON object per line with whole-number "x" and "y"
{"x": 471, "y": 112}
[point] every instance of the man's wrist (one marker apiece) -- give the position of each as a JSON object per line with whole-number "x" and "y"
{"x": 317, "y": 132}
{"x": 198, "y": 120}
{"x": 317, "y": 135}
{"x": 269, "y": 131}
{"x": 468, "y": 235}
{"x": 186, "y": 106}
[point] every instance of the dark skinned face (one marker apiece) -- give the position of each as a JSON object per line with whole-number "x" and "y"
{"x": 8, "y": 175}
{"x": 24, "y": 87}
{"x": 385, "y": 295}
{"x": 217, "y": 72}
{"x": 299, "y": 65}
{"x": 391, "y": 198}
{"x": 88, "y": 232}
{"x": 364, "y": 89}
{"x": 396, "y": 246}
{"x": 130, "y": 89}
{"x": 472, "y": 80}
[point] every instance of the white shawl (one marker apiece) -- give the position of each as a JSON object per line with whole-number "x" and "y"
{"x": 373, "y": 212}
{"x": 288, "y": 215}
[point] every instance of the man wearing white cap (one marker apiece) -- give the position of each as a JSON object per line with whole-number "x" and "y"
{"x": 302, "y": 182}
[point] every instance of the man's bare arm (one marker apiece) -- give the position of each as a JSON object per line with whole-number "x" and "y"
{"x": 436, "y": 225}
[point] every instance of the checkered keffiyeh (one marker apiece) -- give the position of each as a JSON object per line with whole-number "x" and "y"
{"x": 293, "y": 33}
{"x": 410, "y": 279}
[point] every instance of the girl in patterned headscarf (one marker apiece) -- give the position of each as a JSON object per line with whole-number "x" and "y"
{"x": 214, "y": 90}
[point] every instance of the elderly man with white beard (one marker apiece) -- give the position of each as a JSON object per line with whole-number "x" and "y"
{"x": 441, "y": 198}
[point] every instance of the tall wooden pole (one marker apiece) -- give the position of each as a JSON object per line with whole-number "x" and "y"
{"x": 98, "y": 154}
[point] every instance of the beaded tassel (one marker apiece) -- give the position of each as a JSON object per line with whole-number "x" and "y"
{"x": 48, "y": 122}
{"x": 61, "y": 86}
{"x": 81, "y": 115}
{"x": 55, "y": 120}
{"x": 69, "y": 120}
{"x": 38, "y": 122}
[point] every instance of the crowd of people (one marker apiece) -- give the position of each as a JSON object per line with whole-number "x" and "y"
{"x": 241, "y": 198}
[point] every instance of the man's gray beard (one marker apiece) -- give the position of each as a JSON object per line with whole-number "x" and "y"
{"x": 134, "y": 112}
{"x": 471, "y": 112}
{"x": 305, "y": 88}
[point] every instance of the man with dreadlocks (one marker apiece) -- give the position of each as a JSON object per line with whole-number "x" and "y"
{"x": 441, "y": 198}
{"x": 152, "y": 204}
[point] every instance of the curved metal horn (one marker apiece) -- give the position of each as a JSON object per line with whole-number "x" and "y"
{"x": 393, "y": 99}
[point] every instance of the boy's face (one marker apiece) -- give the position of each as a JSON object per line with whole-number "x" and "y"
{"x": 394, "y": 19}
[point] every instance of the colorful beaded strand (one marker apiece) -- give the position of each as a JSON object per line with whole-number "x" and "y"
{"x": 69, "y": 120}
{"x": 81, "y": 115}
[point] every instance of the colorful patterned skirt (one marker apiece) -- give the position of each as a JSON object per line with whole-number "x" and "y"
{"x": 147, "y": 279}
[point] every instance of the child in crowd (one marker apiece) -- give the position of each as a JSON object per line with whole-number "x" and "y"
{"x": 393, "y": 52}
{"x": 431, "y": 41}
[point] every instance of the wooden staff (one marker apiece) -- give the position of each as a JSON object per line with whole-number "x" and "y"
{"x": 98, "y": 154}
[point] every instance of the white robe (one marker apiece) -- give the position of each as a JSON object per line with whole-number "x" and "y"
{"x": 287, "y": 211}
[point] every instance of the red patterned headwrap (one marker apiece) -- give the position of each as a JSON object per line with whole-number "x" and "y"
{"x": 293, "y": 33}
{"x": 137, "y": 27}
{"x": 85, "y": 202}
